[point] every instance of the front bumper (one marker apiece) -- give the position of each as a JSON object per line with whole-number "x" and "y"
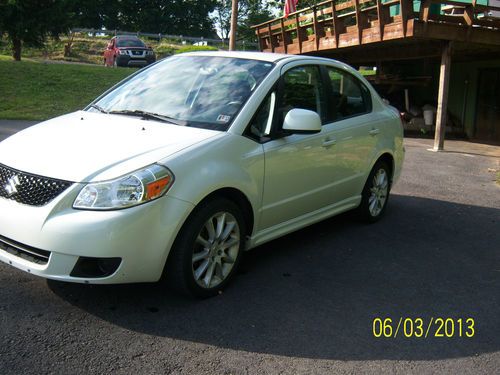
{"x": 126, "y": 60}
{"x": 140, "y": 236}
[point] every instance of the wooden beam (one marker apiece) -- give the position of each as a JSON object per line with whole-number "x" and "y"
{"x": 260, "y": 40}
{"x": 315, "y": 27}
{"x": 403, "y": 9}
{"x": 425, "y": 12}
{"x": 270, "y": 36}
{"x": 381, "y": 19}
{"x": 335, "y": 25}
{"x": 299, "y": 32}
{"x": 468, "y": 16}
{"x": 359, "y": 22}
{"x": 442, "y": 109}
{"x": 435, "y": 30}
{"x": 283, "y": 35}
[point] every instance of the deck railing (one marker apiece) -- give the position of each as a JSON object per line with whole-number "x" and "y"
{"x": 336, "y": 24}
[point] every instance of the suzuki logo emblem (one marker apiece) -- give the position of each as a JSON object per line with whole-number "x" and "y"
{"x": 11, "y": 187}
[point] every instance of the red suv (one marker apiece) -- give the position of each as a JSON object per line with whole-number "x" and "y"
{"x": 128, "y": 50}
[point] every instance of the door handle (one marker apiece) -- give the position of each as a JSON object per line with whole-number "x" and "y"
{"x": 329, "y": 142}
{"x": 374, "y": 131}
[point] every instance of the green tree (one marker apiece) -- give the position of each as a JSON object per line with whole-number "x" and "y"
{"x": 94, "y": 14}
{"x": 279, "y": 6}
{"x": 184, "y": 17}
{"x": 257, "y": 12}
{"x": 29, "y": 22}
{"x": 250, "y": 12}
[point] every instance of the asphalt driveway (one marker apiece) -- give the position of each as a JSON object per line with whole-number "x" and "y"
{"x": 302, "y": 304}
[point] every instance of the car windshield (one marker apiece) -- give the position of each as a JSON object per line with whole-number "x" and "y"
{"x": 199, "y": 91}
{"x": 129, "y": 42}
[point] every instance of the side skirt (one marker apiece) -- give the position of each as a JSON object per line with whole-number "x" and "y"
{"x": 300, "y": 222}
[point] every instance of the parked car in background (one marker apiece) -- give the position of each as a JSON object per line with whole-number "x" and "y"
{"x": 128, "y": 50}
{"x": 190, "y": 162}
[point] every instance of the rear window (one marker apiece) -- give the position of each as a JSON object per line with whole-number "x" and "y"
{"x": 129, "y": 43}
{"x": 349, "y": 96}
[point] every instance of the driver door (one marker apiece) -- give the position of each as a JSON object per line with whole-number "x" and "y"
{"x": 298, "y": 166}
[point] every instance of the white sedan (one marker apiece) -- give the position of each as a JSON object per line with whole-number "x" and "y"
{"x": 184, "y": 165}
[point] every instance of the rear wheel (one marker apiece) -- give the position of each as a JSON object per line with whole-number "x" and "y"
{"x": 207, "y": 251}
{"x": 375, "y": 193}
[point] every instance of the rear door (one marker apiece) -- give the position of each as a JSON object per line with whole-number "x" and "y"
{"x": 354, "y": 127}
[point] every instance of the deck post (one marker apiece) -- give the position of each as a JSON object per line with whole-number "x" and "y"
{"x": 381, "y": 19}
{"x": 444, "y": 81}
{"x": 403, "y": 9}
{"x": 315, "y": 27}
{"x": 299, "y": 31}
{"x": 335, "y": 25}
{"x": 283, "y": 35}
{"x": 270, "y": 31}
{"x": 359, "y": 22}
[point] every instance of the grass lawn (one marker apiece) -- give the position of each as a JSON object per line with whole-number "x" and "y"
{"x": 38, "y": 91}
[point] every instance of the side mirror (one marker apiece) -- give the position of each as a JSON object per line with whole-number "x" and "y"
{"x": 302, "y": 121}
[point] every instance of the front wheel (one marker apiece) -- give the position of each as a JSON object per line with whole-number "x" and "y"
{"x": 207, "y": 251}
{"x": 375, "y": 193}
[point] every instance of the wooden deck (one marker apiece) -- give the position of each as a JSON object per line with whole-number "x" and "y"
{"x": 332, "y": 25}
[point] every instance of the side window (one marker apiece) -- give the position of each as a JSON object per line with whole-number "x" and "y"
{"x": 261, "y": 123}
{"x": 304, "y": 89}
{"x": 349, "y": 97}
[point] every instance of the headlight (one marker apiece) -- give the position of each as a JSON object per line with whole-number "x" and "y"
{"x": 122, "y": 51}
{"x": 136, "y": 188}
{"x": 150, "y": 52}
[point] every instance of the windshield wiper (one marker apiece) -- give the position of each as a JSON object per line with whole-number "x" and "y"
{"x": 147, "y": 116}
{"x": 100, "y": 109}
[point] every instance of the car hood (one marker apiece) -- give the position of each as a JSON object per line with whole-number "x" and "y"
{"x": 84, "y": 146}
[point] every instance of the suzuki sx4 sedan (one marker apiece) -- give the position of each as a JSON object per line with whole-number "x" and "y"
{"x": 181, "y": 167}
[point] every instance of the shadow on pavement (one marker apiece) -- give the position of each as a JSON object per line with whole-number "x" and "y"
{"x": 315, "y": 293}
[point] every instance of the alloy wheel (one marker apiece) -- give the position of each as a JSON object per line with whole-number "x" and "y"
{"x": 378, "y": 192}
{"x": 216, "y": 250}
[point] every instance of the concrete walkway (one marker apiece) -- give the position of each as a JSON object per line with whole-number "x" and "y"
{"x": 462, "y": 147}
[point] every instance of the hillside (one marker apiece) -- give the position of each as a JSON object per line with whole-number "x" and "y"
{"x": 86, "y": 49}
{"x": 38, "y": 91}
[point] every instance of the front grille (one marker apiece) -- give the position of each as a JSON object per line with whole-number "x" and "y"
{"x": 26, "y": 252}
{"x": 28, "y": 188}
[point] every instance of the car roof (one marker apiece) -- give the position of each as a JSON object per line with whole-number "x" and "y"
{"x": 280, "y": 58}
{"x": 126, "y": 37}
{"x": 262, "y": 56}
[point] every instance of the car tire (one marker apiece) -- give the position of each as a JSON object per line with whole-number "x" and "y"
{"x": 207, "y": 250}
{"x": 375, "y": 193}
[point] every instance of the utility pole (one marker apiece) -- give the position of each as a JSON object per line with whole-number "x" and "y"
{"x": 234, "y": 23}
